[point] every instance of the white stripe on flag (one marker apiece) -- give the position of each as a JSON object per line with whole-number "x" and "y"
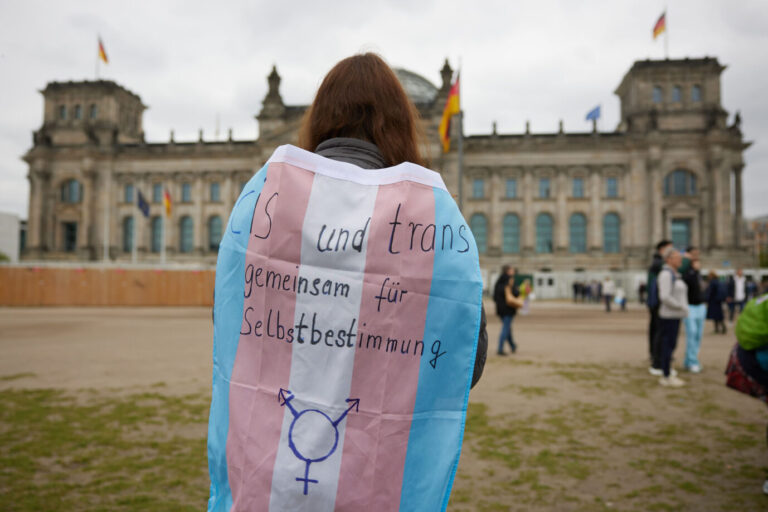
{"x": 321, "y": 375}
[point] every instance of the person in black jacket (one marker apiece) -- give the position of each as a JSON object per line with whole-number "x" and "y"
{"x": 654, "y": 345}
{"x": 505, "y": 311}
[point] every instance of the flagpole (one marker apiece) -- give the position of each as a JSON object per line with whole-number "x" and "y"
{"x": 165, "y": 223}
{"x": 666, "y": 34}
{"x": 461, "y": 146}
{"x": 133, "y": 235}
{"x": 107, "y": 196}
{"x": 461, "y": 161}
{"x": 98, "y": 41}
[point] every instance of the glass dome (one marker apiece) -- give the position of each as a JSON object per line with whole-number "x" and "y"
{"x": 418, "y": 88}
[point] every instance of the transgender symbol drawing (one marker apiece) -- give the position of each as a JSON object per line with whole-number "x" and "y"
{"x": 313, "y": 435}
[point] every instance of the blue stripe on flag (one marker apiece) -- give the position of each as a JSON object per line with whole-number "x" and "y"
{"x": 440, "y": 409}
{"x": 228, "y": 312}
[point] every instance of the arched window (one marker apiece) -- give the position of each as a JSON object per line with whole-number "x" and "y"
{"x": 577, "y": 227}
{"x": 696, "y": 93}
{"x": 78, "y": 112}
{"x": 478, "y": 188}
{"x": 479, "y": 226}
{"x": 658, "y": 94}
{"x": 677, "y": 96}
{"x": 94, "y": 111}
{"x": 186, "y": 192}
{"x": 544, "y": 233}
{"x": 611, "y": 233}
{"x": 127, "y": 234}
{"x": 215, "y": 192}
{"x": 71, "y": 191}
{"x": 62, "y": 112}
{"x": 186, "y": 234}
{"x": 128, "y": 193}
{"x": 511, "y": 232}
{"x": 680, "y": 183}
{"x": 157, "y": 234}
{"x": 214, "y": 233}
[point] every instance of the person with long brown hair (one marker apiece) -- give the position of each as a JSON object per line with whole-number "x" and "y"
{"x": 362, "y": 102}
{"x": 362, "y": 115}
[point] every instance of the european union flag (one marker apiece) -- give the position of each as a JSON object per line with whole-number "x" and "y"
{"x": 143, "y": 205}
{"x": 594, "y": 114}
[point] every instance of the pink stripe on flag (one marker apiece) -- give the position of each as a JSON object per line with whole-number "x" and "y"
{"x": 376, "y": 438}
{"x": 263, "y": 361}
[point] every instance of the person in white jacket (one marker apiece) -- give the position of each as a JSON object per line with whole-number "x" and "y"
{"x": 673, "y": 299}
{"x": 609, "y": 291}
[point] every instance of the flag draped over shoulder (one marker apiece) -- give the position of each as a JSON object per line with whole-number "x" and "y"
{"x": 660, "y": 26}
{"x": 452, "y": 107}
{"x": 103, "y": 52}
{"x": 344, "y": 340}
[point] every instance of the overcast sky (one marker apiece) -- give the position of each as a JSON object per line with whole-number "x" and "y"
{"x": 193, "y": 61}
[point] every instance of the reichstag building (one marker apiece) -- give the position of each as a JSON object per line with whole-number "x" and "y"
{"x": 561, "y": 201}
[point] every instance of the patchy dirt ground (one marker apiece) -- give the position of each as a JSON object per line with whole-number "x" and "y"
{"x": 573, "y": 421}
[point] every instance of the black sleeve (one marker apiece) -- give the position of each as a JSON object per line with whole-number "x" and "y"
{"x": 482, "y": 349}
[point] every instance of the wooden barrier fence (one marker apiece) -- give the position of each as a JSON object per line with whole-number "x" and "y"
{"x": 90, "y": 286}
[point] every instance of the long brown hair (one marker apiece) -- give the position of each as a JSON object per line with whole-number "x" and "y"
{"x": 362, "y": 98}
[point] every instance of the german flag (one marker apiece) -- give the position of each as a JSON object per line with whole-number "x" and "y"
{"x": 103, "y": 52}
{"x": 167, "y": 202}
{"x": 660, "y": 26}
{"x": 452, "y": 107}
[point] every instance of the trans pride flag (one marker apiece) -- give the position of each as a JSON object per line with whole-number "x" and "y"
{"x": 347, "y": 309}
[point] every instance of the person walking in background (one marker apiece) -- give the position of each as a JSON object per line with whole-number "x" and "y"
{"x": 505, "y": 285}
{"x": 641, "y": 292}
{"x": 715, "y": 294}
{"x": 609, "y": 291}
{"x": 697, "y": 309}
{"x": 652, "y": 302}
{"x": 737, "y": 293}
{"x": 673, "y": 297}
{"x": 621, "y": 298}
{"x": 751, "y": 288}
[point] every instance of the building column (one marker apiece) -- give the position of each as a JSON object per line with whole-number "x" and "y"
{"x": 656, "y": 220}
{"x": 199, "y": 218}
{"x": 35, "y": 216}
{"x": 495, "y": 215}
{"x": 710, "y": 220}
{"x": 48, "y": 225}
{"x": 529, "y": 222}
{"x": 85, "y": 232}
{"x": 594, "y": 211}
{"x": 561, "y": 213}
{"x": 737, "y": 215}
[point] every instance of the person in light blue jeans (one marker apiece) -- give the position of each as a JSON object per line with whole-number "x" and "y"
{"x": 697, "y": 309}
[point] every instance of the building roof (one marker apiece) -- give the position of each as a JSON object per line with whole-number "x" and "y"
{"x": 104, "y": 85}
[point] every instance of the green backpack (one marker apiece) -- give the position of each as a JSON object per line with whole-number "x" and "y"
{"x": 752, "y": 326}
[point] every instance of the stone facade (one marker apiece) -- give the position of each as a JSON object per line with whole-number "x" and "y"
{"x": 558, "y": 201}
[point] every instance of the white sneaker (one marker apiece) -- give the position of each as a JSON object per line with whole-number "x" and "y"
{"x": 671, "y": 382}
{"x": 656, "y": 372}
{"x": 694, "y": 368}
{"x": 672, "y": 372}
